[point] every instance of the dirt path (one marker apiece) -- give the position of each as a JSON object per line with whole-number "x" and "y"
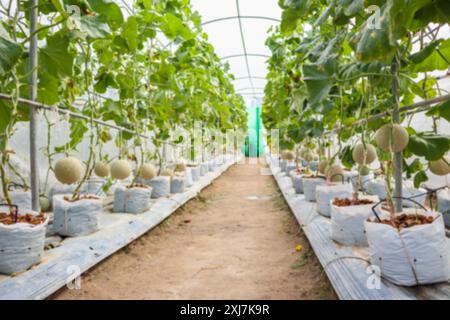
{"x": 237, "y": 240}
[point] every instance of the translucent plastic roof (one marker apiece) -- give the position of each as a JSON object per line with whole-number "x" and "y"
{"x": 238, "y": 30}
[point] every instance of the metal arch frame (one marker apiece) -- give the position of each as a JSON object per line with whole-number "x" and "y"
{"x": 261, "y": 55}
{"x": 248, "y": 88}
{"x": 240, "y": 17}
{"x": 251, "y": 93}
{"x": 244, "y": 46}
{"x": 246, "y": 77}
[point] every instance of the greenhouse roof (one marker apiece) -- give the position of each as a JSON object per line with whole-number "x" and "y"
{"x": 238, "y": 31}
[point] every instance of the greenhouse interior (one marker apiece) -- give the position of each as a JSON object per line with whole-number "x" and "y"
{"x": 225, "y": 150}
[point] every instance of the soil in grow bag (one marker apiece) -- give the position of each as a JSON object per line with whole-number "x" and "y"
{"x": 407, "y": 220}
{"x": 351, "y": 202}
{"x": 11, "y": 218}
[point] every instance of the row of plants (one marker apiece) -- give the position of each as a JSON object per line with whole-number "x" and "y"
{"x": 336, "y": 66}
{"x": 147, "y": 68}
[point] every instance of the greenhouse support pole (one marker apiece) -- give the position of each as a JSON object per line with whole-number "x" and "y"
{"x": 34, "y": 170}
{"x": 398, "y": 156}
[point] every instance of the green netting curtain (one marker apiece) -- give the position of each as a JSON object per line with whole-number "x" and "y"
{"x": 254, "y": 142}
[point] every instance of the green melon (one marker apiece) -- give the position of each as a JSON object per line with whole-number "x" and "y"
{"x": 148, "y": 171}
{"x": 120, "y": 169}
{"x": 364, "y": 170}
{"x": 364, "y": 154}
{"x": 392, "y": 138}
{"x": 323, "y": 166}
{"x": 102, "y": 169}
{"x": 68, "y": 170}
{"x": 44, "y": 204}
{"x": 335, "y": 173}
{"x": 289, "y": 156}
{"x": 440, "y": 167}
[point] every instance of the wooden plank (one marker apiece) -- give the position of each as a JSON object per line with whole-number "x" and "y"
{"x": 344, "y": 265}
{"x": 116, "y": 231}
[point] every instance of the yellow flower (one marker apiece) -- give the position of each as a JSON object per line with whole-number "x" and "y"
{"x": 299, "y": 248}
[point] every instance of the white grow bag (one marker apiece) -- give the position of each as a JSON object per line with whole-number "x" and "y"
{"x": 188, "y": 178}
{"x": 21, "y": 245}
{"x": 195, "y": 173}
{"x": 283, "y": 164}
{"x": 204, "y": 168}
{"x": 411, "y": 256}
{"x": 161, "y": 186}
{"x": 309, "y": 187}
{"x": 212, "y": 165}
{"x": 177, "y": 184}
{"x": 443, "y": 199}
{"x": 347, "y": 223}
{"x": 290, "y": 166}
{"x": 297, "y": 181}
{"x": 325, "y": 193}
{"x": 132, "y": 200}
{"x": 76, "y": 218}
{"x": 362, "y": 180}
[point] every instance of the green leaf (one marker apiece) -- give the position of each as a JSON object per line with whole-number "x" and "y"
{"x": 109, "y": 12}
{"x": 130, "y": 33}
{"x": 10, "y": 53}
{"x": 55, "y": 58}
{"x": 172, "y": 27}
{"x": 437, "y": 57}
{"x": 438, "y": 11}
{"x": 94, "y": 27}
{"x": 442, "y": 110}
{"x": 420, "y": 178}
{"x": 432, "y": 147}
{"x": 319, "y": 79}
{"x": 78, "y": 129}
{"x": 354, "y": 7}
{"x": 294, "y": 10}
{"x": 347, "y": 157}
{"x": 420, "y": 56}
{"x": 373, "y": 44}
{"x": 48, "y": 88}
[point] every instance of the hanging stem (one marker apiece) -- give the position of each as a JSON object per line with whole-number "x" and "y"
{"x": 398, "y": 156}
{"x": 88, "y": 171}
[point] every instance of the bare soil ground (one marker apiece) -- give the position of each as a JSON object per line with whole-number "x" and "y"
{"x": 236, "y": 240}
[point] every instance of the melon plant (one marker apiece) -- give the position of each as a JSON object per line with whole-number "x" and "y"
{"x": 353, "y": 79}
{"x": 113, "y": 51}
